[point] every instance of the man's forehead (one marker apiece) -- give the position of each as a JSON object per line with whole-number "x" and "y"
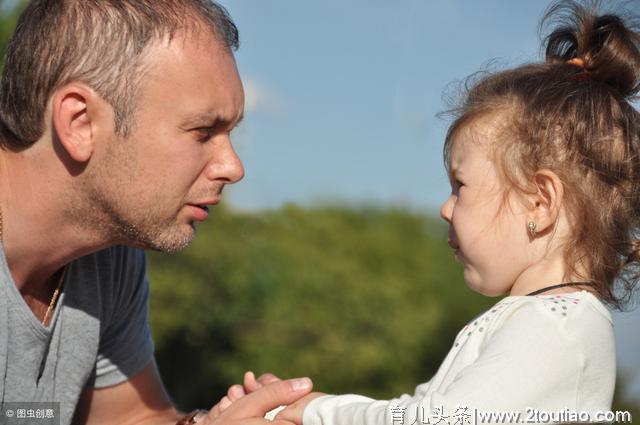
{"x": 177, "y": 44}
{"x": 215, "y": 118}
{"x": 189, "y": 59}
{"x": 192, "y": 83}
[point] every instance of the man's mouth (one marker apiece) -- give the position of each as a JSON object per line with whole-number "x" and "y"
{"x": 200, "y": 212}
{"x": 204, "y": 204}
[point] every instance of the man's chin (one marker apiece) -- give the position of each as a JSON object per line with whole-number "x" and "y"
{"x": 170, "y": 241}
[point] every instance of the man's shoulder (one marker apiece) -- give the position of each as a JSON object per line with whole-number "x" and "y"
{"x": 109, "y": 278}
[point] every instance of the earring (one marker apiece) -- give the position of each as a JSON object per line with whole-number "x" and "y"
{"x": 532, "y": 229}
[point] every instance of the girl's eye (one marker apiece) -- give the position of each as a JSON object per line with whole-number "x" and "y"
{"x": 457, "y": 184}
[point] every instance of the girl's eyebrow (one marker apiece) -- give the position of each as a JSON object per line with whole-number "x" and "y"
{"x": 455, "y": 172}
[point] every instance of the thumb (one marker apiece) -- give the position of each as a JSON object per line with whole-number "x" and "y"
{"x": 267, "y": 398}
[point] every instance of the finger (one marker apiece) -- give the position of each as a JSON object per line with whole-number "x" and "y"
{"x": 224, "y": 403}
{"x": 267, "y": 398}
{"x": 250, "y": 382}
{"x": 268, "y": 378}
{"x": 272, "y": 414}
{"x": 216, "y": 410}
{"x": 219, "y": 408}
{"x": 235, "y": 392}
{"x": 289, "y": 414}
{"x": 251, "y": 421}
{"x": 281, "y": 422}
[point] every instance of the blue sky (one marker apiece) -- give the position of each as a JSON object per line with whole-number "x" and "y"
{"x": 342, "y": 98}
{"x": 343, "y": 95}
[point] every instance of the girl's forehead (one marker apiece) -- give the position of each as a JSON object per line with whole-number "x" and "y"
{"x": 471, "y": 142}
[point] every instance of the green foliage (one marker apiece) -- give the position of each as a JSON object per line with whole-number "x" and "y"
{"x": 361, "y": 300}
{"x": 8, "y": 18}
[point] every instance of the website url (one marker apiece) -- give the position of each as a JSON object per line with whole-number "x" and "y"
{"x": 536, "y": 416}
{"x": 463, "y": 415}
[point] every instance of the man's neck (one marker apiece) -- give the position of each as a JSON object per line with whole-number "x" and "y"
{"x": 38, "y": 236}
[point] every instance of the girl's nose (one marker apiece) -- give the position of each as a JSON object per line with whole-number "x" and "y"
{"x": 446, "y": 209}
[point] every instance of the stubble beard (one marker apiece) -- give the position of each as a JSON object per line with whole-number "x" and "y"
{"x": 122, "y": 222}
{"x": 105, "y": 207}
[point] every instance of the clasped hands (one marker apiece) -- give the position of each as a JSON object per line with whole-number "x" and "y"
{"x": 247, "y": 404}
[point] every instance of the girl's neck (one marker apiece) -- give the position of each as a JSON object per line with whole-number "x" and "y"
{"x": 547, "y": 273}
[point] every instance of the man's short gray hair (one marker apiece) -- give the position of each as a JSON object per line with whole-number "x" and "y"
{"x": 98, "y": 42}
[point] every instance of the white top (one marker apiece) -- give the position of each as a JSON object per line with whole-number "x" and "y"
{"x": 553, "y": 353}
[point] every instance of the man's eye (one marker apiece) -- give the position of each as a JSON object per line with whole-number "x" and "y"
{"x": 205, "y": 133}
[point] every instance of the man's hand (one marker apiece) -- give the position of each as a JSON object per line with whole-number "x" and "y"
{"x": 235, "y": 392}
{"x": 294, "y": 411}
{"x": 250, "y": 409}
{"x": 143, "y": 400}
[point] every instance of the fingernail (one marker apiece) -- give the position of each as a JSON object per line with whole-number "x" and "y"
{"x": 237, "y": 391}
{"x": 301, "y": 384}
{"x": 199, "y": 416}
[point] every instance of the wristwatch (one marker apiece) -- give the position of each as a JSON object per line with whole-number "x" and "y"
{"x": 193, "y": 417}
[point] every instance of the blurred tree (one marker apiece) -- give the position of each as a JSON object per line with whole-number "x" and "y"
{"x": 362, "y": 300}
{"x": 9, "y": 12}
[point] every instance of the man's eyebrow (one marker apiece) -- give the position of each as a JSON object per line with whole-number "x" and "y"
{"x": 212, "y": 120}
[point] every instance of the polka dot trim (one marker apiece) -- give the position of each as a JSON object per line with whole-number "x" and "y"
{"x": 557, "y": 304}
{"x": 475, "y": 325}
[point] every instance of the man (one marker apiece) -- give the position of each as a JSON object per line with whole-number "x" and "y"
{"x": 115, "y": 128}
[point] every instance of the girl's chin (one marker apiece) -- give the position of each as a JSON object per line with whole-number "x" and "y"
{"x": 484, "y": 289}
{"x": 477, "y": 283}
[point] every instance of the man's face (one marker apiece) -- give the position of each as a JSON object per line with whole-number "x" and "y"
{"x": 149, "y": 188}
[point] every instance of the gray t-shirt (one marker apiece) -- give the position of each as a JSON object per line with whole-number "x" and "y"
{"x": 99, "y": 335}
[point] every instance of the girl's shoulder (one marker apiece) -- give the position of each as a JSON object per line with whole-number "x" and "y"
{"x": 574, "y": 315}
{"x": 579, "y": 306}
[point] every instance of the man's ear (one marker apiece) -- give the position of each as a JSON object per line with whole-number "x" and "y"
{"x": 72, "y": 120}
{"x": 547, "y": 201}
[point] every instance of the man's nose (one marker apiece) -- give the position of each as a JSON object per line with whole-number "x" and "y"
{"x": 225, "y": 165}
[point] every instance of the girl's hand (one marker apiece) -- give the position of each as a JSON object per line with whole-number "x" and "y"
{"x": 294, "y": 411}
{"x": 252, "y": 384}
{"x": 250, "y": 409}
{"x": 236, "y": 392}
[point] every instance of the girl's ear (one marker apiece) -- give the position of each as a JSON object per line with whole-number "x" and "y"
{"x": 546, "y": 202}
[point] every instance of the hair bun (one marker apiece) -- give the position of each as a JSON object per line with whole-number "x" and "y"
{"x": 607, "y": 46}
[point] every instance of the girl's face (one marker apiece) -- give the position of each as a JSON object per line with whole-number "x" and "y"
{"x": 487, "y": 231}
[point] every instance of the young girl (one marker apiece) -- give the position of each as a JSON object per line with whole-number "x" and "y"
{"x": 544, "y": 167}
